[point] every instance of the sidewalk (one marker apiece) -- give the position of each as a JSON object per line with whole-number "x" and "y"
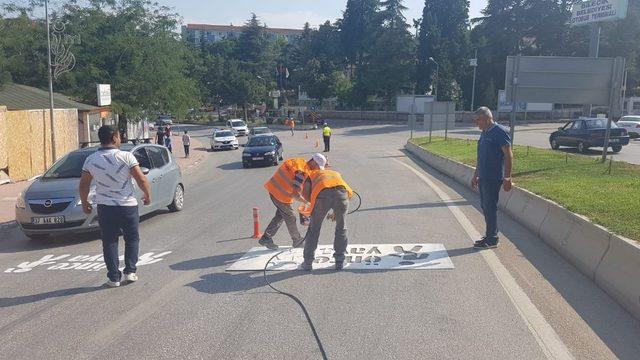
{"x": 9, "y": 192}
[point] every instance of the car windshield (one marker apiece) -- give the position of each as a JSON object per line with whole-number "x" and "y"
{"x": 223, "y": 134}
{"x": 68, "y": 167}
{"x": 630, "y": 118}
{"x": 260, "y": 131}
{"x": 261, "y": 141}
{"x": 237, "y": 123}
{"x": 598, "y": 124}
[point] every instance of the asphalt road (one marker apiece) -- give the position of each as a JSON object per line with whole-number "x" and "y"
{"x": 521, "y": 301}
{"x": 538, "y": 135}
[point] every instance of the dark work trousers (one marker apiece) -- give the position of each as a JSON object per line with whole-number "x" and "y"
{"x": 186, "y": 150}
{"x": 284, "y": 212}
{"x": 112, "y": 219}
{"x": 489, "y": 195}
{"x": 336, "y": 199}
{"x": 327, "y": 143}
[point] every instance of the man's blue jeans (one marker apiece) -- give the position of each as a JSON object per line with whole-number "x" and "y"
{"x": 489, "y": 195}
{"x": 113, "y": 219}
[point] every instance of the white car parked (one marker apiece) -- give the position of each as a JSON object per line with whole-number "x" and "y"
{"x": 223, "y": 139}
{"x": 238, "y": 127}
{"x": 632, "y": 124}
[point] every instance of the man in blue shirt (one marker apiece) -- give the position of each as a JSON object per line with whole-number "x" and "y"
{"x": 493, "y": 170}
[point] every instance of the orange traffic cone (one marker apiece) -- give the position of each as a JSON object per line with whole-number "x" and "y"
{"x": 256, "y": 224}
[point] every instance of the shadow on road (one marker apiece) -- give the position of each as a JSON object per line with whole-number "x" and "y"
{"x": 231, "y": 166}
{"x": 376, "y": 130}
{"x": 28, "y": 299}
{"x": 416, "y": 206}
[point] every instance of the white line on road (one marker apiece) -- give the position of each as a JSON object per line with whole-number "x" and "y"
{"x": 545, "y": 335}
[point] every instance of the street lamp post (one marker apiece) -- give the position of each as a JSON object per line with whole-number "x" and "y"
{"x": 474, "y": 63}
{"x": 53, "y": 127}
{"x": 435, "y": 87}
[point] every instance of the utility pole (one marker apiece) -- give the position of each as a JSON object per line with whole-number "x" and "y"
{"x": 594, "y": 50}
{"x": 53, "y": 125}
{"x": 474, "y": 63}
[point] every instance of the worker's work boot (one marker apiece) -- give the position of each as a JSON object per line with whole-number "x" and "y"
{"x": 307, "y": 265}
{"x": 268, "y": 243}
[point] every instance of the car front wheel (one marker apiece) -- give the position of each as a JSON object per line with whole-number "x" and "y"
{"x": 582, "y": 148}
{"x": 554, "y": 144}
{"x": 616, "y": 148}
{"x": 178, "y": 199}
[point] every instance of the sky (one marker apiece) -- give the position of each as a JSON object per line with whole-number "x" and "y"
{"x": 280, "y": 13}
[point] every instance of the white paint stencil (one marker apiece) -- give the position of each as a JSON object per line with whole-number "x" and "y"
{"x": 357, "y": 257}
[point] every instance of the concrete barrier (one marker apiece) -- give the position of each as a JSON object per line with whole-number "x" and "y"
{"x": 619, "y": 273}
{"x": 611, "y": 261}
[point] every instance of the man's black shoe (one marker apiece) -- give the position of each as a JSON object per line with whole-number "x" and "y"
{"x": 268, "y": 243}
{"x": 339, "y": 265}
{"x": 298, "y": 244}
{"x": 477, "y": 242}
{"x": 307, "y": 266}
{"x": 485, "y": 245}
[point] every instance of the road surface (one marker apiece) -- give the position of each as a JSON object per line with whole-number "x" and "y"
{"x": 521, "y": 301}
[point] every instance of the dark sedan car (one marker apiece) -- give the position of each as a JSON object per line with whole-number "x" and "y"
{"x": 588, "y": 132}
{"x": 262, "y": 149}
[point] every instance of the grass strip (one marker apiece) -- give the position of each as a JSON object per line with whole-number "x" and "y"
{"x": 581, "y": 184}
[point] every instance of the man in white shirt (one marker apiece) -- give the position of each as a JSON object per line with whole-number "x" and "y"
{"x": 186, "y": 142}
{"x": 113, "y": 170}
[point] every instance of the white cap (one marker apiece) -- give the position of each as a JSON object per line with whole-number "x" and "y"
{"x": 320, "y": 160}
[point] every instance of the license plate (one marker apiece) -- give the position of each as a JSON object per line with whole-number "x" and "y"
{"x": 614, "y": 140}
{"x": 258, "y": 158}
{"x": 45, "y": 220}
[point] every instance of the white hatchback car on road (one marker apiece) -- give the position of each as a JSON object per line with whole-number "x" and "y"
{"x": 223, "y": 139}
{"x": 632, "y": 124}
{"x": 238, "y": 127}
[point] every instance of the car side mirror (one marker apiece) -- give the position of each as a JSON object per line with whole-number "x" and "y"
{"x": 560, "y": 129}
{"x": 144, "y": 170}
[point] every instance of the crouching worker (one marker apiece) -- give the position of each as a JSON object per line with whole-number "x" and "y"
{"x": 284, "y": 187}
{"x": 326, "y": 190}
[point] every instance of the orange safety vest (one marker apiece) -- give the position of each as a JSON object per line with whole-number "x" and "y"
{"x": 280, "y": 186}
{"x": 326, "y": 179}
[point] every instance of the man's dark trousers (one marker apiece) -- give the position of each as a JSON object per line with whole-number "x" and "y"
{"x": 112, "y": 219}
{"x": 327, "y": 143}
{"x": 489, "y": 195}
{"x": 186, "y": 150}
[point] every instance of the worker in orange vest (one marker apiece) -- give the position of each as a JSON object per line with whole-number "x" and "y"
{"x": 326, "y": 190}
{"x": 284, "y": 187}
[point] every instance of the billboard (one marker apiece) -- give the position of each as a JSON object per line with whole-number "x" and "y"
{"x": 592, "y": 11}
{"x": 104, "y": 94}
{"x": 564, "y": 80}
{"x": 412, "y": 103}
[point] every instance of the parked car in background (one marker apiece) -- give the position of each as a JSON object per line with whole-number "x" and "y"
{"x": 51, "y": 204}
{"x": 263, "y": 130}
{"x": 164, "y": 120}
{"x": 224, "y": 139}
{"x": 588, "y": 132}
{"x": 263, "y": 149}
{"x": 631, "y": 123}
{"x": 238, "y": 127}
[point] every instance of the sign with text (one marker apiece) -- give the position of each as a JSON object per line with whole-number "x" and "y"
{"x": 94, "y": 262}
{"x": 357, "y": 257}
{"x": 104, "y": 94}
{"x": 592, "y": 11}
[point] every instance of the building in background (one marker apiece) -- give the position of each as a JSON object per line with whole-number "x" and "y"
{"x": 196, "y": 33}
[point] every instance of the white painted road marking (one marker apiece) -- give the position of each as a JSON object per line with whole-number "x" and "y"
{"x": 545, "y": 335}
{"x": 358, "y": 257}
{"x": 80, "y": 262}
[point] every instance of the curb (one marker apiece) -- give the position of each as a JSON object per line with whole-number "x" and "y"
{"x": 610, "y": 260}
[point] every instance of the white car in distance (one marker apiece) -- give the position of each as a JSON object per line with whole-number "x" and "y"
{"x": 238, "y": 127}
{"x": 223, "y": 139}
{"x": 632, "y": 124}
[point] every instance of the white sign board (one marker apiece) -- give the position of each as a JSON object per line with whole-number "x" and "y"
{"x": 357, "y": 257}
{"x": 104, "y": 94}
{"x": 412, "y": 104}
{"x": 592, "y": 11}
{"x": 505, "y": 106}
{"x": 473, "y": 62}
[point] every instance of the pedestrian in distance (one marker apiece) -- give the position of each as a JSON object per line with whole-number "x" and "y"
{"x": 292, "y": 125}
{"x": 326, "y": 137}
{"x": 113, "y": 171}
{"x": 493, "y": 171}
{"x": 167, "y": 138}
{"x": 326, "y": 191}
{"x": 284, "y": 187}
{"x": 186, "y": 142}
{"x": 160, "y": 136}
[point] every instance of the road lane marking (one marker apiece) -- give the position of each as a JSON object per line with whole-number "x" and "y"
{"x": 80, "y": 262}
{"x": 358, "y": 257}
{"x": 545, "y": 335}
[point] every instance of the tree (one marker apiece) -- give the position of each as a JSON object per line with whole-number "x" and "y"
{"x": 357, "y": 25}
{"x": 443, "y": 36}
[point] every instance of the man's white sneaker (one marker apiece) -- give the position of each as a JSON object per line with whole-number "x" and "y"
{"x": 112, "y": 283}
{"x": 131, "y": 277}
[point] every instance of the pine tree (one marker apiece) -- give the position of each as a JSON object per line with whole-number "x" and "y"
{"x": 356, "y": 27}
